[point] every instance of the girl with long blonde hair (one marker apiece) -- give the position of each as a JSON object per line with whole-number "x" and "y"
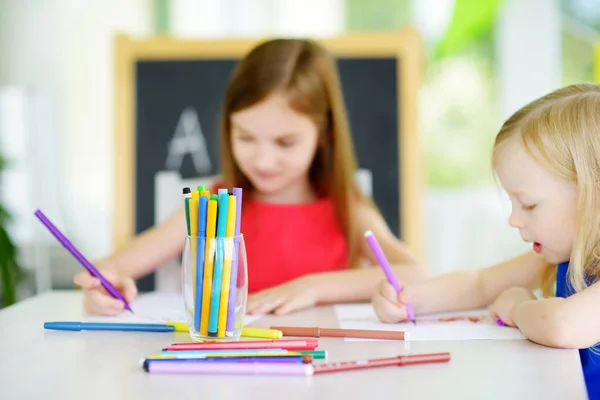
{"x": 547, "y": 158}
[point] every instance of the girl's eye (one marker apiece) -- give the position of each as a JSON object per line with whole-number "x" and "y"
{"x": 244, "y": 138}
{"x": 285, "y": 143}
{"x": 528, "y": 208}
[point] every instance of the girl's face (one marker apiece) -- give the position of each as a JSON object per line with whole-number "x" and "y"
{"x": 274, "y": 147}
{"x": 543, "y": 205}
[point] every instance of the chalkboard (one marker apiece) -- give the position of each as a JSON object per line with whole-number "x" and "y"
{"x": 168, "y": 108}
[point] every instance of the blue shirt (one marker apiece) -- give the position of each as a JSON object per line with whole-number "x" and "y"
{"x": 590, "y": 361}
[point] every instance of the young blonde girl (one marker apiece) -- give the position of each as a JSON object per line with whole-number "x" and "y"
{"x": 286, "y": 141}
{"x": 547, "y": 158}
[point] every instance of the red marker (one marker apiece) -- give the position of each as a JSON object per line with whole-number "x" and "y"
{"x": 296, "y": 344}
{"x": 382, "y": 362}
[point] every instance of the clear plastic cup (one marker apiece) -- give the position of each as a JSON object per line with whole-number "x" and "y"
{"x": 215, "y": 287}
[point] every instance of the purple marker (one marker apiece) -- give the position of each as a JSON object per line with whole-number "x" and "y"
{"x": 82, "y": 260}
{"x": 229, "y": 368}
{"x": 387, "y": 270}
{"x": 230, "y": 327}
{"x": 499, "y": 322}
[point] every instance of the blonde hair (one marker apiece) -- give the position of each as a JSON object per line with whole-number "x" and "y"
{"x": 562, "y": 132}
{"x": 306, "y": 74}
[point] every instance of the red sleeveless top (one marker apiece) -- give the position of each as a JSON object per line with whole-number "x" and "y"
{"x": 287, "y": 241}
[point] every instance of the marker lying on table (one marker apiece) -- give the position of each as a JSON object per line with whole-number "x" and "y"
{"x": 230, "y": 368}
{"x": 223, "y": 353}
{"x": 101, "y": 326}
{"x": 387, "y": 270}
{"x": 82, "y": 260}
{"x": 298, "y": 344}
{"x": 252, "y": 358}
{"x": 334, "y": 332}
{"x": 382, "y": 362}
{"x": 258, "y": 368}
{"x": 246, "y": 331}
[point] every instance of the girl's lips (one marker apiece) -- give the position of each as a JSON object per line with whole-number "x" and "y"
{"x": 537, "y": 247}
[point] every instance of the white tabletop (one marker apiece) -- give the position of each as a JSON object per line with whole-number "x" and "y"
{"x": 35, "y": 363}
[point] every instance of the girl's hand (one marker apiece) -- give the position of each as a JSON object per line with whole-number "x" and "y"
{"x": 509, "y": 299}
{"x": 97, "y": 300}
{"x": 389, "y": 306}
{"x": 283, "y": 299}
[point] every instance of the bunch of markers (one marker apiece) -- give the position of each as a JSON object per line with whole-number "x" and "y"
{"x": 266, "y": 357}
{"x": 213, "y": 224}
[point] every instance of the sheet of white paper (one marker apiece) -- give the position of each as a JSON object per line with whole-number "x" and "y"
{"x": 464, "y": 325}
{"x": 156, "y": 307}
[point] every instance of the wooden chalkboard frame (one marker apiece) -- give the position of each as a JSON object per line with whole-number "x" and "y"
{"x": 404, "y": 45}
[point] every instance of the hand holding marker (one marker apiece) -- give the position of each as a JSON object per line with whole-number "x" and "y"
{"x": 82, "y": 260}
{"x": 385, "y": 265}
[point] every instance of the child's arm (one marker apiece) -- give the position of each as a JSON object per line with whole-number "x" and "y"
{"x": 458, "y": 290}
{"x": 573, "y": 322}
{"x": 150, "y": 249}
{"x": 478, "y": 287}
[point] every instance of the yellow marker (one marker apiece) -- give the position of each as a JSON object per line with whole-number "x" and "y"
{"x": 179, "y": 326}
{"x": 246, "y": 332}
{"x": 262, "y": 333}
{"x": 211, "y": 230}
{"x": 226, "y": 282}
{"x": 194, "y": 203}
{"x": 205, "y": 193}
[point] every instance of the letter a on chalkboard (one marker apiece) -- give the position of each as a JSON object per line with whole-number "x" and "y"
{"x": 188, "y": 139}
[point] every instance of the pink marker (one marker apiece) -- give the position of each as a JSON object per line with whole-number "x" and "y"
{"x": 229, "y": 368}
{"x": 387, "y": 270}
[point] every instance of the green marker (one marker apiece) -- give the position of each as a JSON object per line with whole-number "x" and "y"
{"x": 315, "y": 353}
{"x": 187, "y": 195}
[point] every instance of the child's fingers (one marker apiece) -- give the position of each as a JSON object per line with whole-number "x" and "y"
{"x": 387, "y": 311}
{"x": 99, "y": 302}
{"x": 86, "y": 281}
{"x": 403, "y": 298}
{"x": 265, "y": 302}
{"x": 254, "y": 300}
{"x": 296, "y": 303}
{"x": 128, "y": 288}
{"x": 388, "y": 292}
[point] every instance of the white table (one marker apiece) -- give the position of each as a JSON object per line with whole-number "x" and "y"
{"x": 40, "y": 364}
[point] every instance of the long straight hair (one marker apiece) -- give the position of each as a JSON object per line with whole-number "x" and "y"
{"x": 306, "y": 74}
{"x": 562, "y": 132}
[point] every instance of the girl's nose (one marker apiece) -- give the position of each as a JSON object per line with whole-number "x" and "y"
{"x": 264, "y": 158}
{"x": 514, "y": 220}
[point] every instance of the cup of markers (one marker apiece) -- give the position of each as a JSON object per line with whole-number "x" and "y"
{"x": 214, "y": 265}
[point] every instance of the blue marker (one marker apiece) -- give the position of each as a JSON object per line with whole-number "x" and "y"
{"x": 105, "y": 326}
{"x": 202, "y": 213}
{"x": 215, "y": 295}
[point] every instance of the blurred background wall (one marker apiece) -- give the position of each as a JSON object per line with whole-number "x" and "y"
{"x": 484, "y": 60}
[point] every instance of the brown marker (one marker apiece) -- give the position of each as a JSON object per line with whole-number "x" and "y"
{"x": 333, "y": 332}
{"x": 382, "y": 362}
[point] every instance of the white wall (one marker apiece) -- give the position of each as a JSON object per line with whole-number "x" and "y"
{"x": 528, "y": 47}
{"x": 61, "y": 52}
